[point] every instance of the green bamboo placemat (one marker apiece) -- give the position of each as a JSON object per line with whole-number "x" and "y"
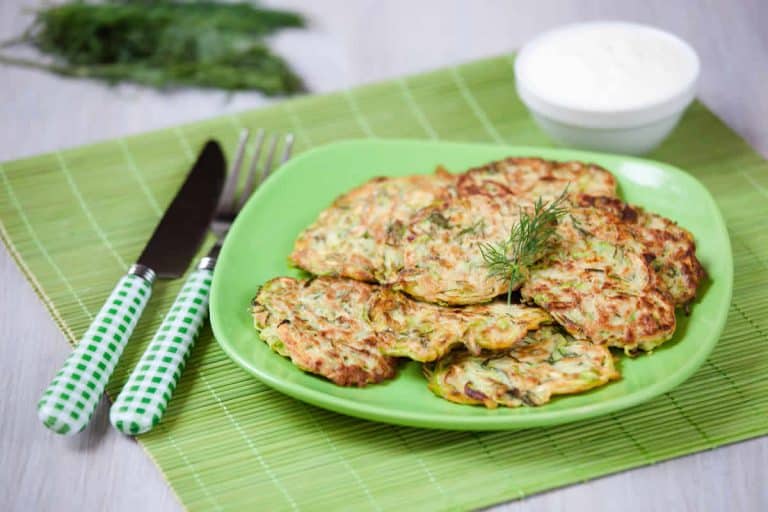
{"x": 75, "y": 219}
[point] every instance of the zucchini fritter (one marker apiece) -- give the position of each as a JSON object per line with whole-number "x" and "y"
{"x": 545, "y": 363}
{"x": 597, "y": 284}
{"x": 531, "y": 178}
{"x": 425, "y": 332}
{"x": 670, "y": 249}
{"x": 441, "y": 261}
{"x": 349, "y": 238}
{"x": 322, "y": 326}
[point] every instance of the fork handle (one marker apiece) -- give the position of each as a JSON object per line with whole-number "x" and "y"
{"x": 68, "y": 403}
{"x": 145, "y": 396}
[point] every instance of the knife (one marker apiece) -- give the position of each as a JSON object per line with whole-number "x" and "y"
{"x": 68, "y": 403}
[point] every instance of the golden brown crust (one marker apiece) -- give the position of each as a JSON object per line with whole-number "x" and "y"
{"x": 321, "y": 325}
{"x": 350, "y": 332}
{"x": 598, "y": 285}
{"x": 530, "y": 178}
{"x": 670, "y": 249}
{"x": 350, "y": 238}
{"x": 425, "y": 332}
{"x": 441, "y": 260}
{"x": 545, "y": 363}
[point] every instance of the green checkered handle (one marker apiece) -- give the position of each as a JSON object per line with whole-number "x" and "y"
{"x": 145, "y": 396}
{"x": 67, "y": 405}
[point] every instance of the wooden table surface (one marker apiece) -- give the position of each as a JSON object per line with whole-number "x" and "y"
{"x": 348, "y": 43}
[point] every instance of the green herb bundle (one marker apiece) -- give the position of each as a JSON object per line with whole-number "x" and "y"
{"x": 163, "y": 44}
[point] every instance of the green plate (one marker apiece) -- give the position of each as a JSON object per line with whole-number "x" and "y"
{"x": 263, "y": 235}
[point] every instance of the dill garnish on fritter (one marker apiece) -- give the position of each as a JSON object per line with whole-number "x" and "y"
{"x": 528, "y": 240}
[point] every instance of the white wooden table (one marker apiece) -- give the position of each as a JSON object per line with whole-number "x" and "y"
{"x": 348, "y": 43}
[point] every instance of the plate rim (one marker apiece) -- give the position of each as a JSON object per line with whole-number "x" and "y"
{"x": 447, "y": 421}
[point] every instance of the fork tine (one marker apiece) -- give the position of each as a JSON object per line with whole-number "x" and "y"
{"x": 250, "y": 180}
{"x": 264, "y": 171}
{"x": 270, "y": 157}
{"x": 268, "y": 164}
{"x": 227, "y": 197}
{"x": 287, "y": 148}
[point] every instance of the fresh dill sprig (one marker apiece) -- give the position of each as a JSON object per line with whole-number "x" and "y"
{"x": 529, "y": 238}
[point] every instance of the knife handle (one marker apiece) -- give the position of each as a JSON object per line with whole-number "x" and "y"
{"x": 145, "y": 396}
{"x": 68, "y": 403}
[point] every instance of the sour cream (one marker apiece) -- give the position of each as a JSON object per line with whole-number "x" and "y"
{"x": 607, "y": 75}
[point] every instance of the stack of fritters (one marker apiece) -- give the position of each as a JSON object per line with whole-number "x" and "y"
{"x": 402, "y": 276}
{"x": 350, "y": 331}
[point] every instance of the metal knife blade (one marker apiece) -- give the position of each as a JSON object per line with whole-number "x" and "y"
{"x": 185, "y": 222}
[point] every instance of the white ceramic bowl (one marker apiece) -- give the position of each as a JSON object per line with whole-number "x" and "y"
{"x": 637, "y": 82}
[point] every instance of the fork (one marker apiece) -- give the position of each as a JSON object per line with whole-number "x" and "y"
{"x": 144, "y": 398}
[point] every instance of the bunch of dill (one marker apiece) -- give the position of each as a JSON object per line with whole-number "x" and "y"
{"x": 163, "y": 44}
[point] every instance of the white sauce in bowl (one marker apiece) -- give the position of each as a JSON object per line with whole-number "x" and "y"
{"x": 607, "y": 69}
{"x": 606, "y": 85}
{"x": 608, "y": 66}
